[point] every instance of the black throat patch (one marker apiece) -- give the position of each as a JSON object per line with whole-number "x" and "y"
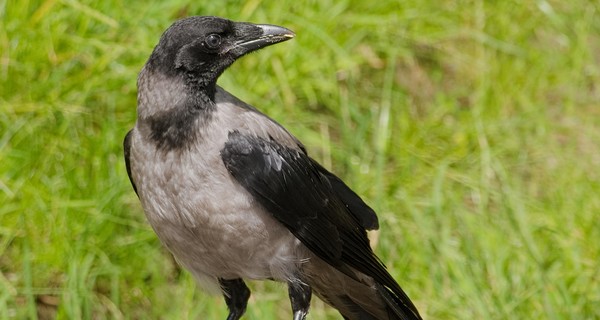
{"x": 183, "y": 116}
{"x": 180, "y": 127}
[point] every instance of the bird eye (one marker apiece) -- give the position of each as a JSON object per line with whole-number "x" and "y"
{"x": 213, "y": 41}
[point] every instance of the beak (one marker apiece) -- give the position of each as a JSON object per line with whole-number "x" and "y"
{"x": 264, "y": 35}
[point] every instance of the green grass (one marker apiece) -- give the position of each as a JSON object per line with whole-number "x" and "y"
{"x": 472, "y": 127}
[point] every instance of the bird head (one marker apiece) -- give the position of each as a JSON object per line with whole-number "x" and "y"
{"x": 204, "y": 47}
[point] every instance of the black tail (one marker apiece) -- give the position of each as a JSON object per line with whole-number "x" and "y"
{"x": 398, "y": 304}
{"x": 360, "y": 297}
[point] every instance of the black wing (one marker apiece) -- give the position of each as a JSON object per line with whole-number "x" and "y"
{"x": 296, "y": 191}
{"x": 357, "y": 207}
{"x": 127, "y": 153}
{"x": 351, "y": 200}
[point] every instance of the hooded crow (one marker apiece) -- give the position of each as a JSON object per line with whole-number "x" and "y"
{"x": 233, "y": 195}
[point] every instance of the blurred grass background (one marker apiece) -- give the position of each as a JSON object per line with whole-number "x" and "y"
{"x": 472, "y": 127}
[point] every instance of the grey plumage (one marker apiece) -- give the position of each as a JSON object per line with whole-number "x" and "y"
{"x": 233, "y": 195}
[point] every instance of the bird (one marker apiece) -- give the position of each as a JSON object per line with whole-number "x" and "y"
{"x": 234, "y": 196}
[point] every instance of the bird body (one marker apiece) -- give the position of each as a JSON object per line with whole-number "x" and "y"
{"x": 230, "y": 238}
{"x": 233, "y": 195}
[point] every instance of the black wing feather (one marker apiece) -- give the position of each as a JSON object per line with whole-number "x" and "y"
{"x": 302, "y": 195}
{"x": 256, "y": 164}
{"x": 356, "y": 206}
{"x": 127, "y": 154}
